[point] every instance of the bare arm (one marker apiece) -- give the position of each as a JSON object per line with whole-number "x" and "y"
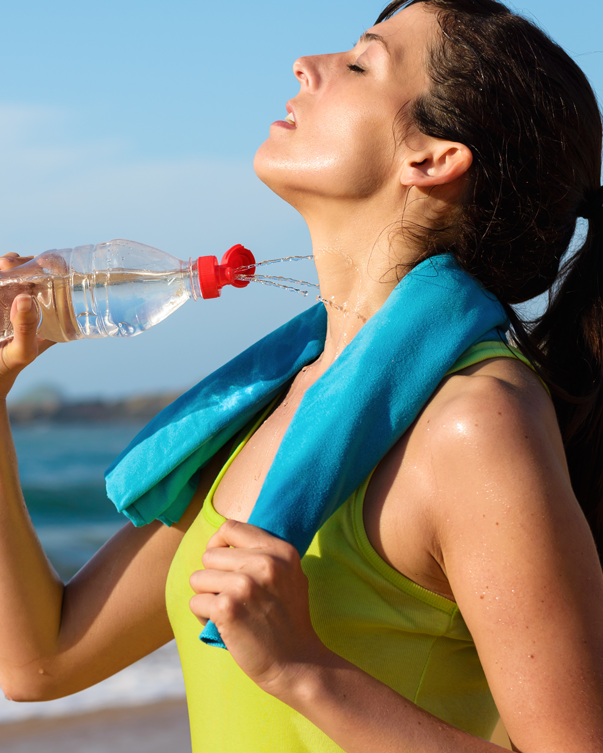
{"x": 522, "y": 565}
{"x": 55, "y": 639}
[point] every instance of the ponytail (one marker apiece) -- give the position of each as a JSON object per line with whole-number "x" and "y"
{"x": 569, "y": 336}
{"x": 501, "y": 86}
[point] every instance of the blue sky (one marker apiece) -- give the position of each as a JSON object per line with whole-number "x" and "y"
{"x": 140, "y": 120}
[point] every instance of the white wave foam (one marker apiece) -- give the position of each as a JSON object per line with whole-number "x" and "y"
{"x": 155, "y": 678}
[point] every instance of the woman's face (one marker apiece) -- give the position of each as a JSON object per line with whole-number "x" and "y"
{"x": 343, "y": 143}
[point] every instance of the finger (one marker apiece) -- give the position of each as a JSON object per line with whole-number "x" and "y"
{"x": 245, "y": 536}
{"x": 219, "y": 608}
{"x": 24, "y": 346}
{"x": 218, "y": 581}
{"x": 11, "y": 259}
{"x": 264, "y": 567}
{"x": 201, "y": 606}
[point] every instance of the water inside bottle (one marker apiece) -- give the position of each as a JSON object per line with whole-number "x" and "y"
{"x": 52, "y": 299}
{"x": 126, "y": 302}
{"x": 113, "y": 303}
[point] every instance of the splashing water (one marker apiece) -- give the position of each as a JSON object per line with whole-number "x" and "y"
{"x": 274, "y": 280}
{"x": 272, "y": 261}
{"x": 279, "y": 282}
{"x": 343, "y": 308}
{"x": 264, "y": 281}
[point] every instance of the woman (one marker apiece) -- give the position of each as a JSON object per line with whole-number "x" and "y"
{"x": 451, "y": 126}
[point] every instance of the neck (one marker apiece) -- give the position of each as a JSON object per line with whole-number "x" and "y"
{"x": 359, "y": 263}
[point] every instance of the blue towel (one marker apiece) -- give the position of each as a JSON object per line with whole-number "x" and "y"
{"x": 345, "y": 424}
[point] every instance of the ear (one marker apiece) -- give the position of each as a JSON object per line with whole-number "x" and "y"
{"x": 439, "y": 163}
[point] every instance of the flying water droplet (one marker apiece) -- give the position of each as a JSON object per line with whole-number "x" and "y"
{"x": 271, "y": 261}
{"x": 264, "y": 281}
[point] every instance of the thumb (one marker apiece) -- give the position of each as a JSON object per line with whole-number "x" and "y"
{"x": 23, "y": 349}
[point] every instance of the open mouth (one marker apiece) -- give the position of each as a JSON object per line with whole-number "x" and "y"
{"x": 290, "y": 118}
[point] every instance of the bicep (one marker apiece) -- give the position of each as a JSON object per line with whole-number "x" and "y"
{"x": 524, "y": 570}
{"x": 114, "y": 610}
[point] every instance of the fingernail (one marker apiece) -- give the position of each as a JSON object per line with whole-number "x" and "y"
{"x": 24, "y": 303}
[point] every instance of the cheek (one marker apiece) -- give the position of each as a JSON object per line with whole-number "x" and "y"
{"x": 337, "y": 151}
{"x": 355, "y": 153}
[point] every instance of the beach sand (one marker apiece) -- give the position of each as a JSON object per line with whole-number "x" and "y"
{"x": 154, "y": 728}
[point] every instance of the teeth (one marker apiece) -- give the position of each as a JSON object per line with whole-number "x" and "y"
{"x": 290, "y": 119}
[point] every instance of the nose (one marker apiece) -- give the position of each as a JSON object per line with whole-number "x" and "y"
{"x": 307, "y": 71}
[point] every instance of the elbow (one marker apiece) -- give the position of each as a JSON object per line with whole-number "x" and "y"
{"x": 28, "y": 686}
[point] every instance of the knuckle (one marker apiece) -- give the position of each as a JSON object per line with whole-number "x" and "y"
{"x": 290, "y": 554}
{"x": 229, "y": 525}
{"x": 268, "y": 568}
{"x": 25, "y": 328}
{"x": 244, "y": 587}
{"x": 227, "y": 607}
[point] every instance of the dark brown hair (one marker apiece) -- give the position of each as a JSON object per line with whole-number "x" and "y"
{"x": 503, "y": 88}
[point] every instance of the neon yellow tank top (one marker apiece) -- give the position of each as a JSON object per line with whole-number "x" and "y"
{"x": 412, "y": 639}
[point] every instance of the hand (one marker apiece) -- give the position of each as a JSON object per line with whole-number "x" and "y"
{"x": 255, "y": 592}
{"x": 25, "y": 345}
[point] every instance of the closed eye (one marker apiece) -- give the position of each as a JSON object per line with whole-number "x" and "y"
{"x": 356, "y": 68}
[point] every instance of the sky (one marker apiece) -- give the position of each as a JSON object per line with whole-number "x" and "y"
{"x": 139, "y": 119}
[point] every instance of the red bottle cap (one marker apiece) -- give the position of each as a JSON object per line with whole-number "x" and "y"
{"x": 213, "y": 276}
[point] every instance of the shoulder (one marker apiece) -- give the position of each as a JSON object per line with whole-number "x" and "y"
{"x": 497, "y": 410}
{"x": 515, "y": 547}
{"x": 487, "y": 442}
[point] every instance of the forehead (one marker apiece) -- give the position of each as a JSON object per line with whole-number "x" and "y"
{"x": 409, "y": 35}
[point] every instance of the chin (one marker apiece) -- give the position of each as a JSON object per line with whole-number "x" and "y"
{"x": 272, "y": 173}
{"x": 259, "y": 165}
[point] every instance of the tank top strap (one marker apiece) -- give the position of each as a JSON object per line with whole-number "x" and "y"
{"x": 491, "y": 349}
{"x": 475, "y": 354}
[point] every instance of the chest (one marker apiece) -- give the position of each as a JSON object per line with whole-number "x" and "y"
{"x": 399, "y": 530}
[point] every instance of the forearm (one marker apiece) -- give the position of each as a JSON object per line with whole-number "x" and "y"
{"x": 360, "y": 713}
{"x": 31, "y": 592}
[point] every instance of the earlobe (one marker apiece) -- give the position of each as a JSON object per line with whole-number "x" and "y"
{"x": 442, "y": 163}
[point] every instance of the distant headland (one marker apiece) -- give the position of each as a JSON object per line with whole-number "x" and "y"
{"x": 46, "y": 403}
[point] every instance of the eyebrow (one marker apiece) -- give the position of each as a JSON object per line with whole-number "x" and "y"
{"x": 369, "y": 36}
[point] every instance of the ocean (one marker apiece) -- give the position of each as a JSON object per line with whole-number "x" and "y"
{"x": 61, "y": 468}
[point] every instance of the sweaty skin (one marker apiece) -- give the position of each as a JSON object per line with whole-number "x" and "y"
{"x": 474, "y": 502}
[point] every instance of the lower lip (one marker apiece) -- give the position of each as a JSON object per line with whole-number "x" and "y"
{"x": 284, "y": 124}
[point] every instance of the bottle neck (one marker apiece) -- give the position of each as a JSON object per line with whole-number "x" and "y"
{"x": 207, "y": 277}
{"x": 191, "y": 273}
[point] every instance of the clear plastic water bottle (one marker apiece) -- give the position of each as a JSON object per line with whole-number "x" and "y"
{"x": 115, "y": 289}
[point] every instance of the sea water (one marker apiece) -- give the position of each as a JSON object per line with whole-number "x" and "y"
{"x": 61, "y": 469}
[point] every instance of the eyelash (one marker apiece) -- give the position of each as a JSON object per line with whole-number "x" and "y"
{"x": 356, "y": 68}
